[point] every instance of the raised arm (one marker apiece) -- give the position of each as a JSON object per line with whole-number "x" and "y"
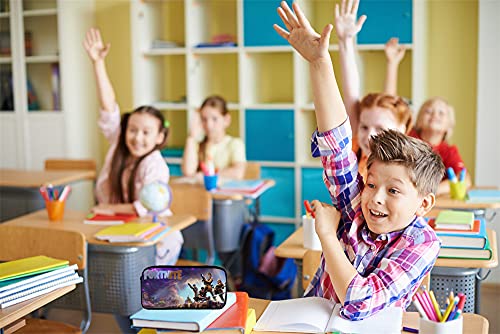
{"x": 97, "y": 52}
{"x": 330, "y": 110}
{"x": 190, "y": 161}
{"x": 394, "y": 53}
{"x": 347, "y": 28}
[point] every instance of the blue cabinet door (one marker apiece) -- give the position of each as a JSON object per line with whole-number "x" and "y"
{"x": 386, "y": 19}
{"x": 258, "y": 19}
{"x": 313, "y": 186}
{"x": 269, "y": 135}
{"x": 175, "y": 170}
{"x": 279, "y": 201}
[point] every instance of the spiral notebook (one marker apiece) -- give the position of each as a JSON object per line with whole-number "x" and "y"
{"x": 39, "y": 290}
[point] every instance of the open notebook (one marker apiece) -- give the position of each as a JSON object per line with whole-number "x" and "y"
{"x": 319, "y": 315}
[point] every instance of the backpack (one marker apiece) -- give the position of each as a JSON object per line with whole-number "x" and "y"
{"x": 264, "y": 275}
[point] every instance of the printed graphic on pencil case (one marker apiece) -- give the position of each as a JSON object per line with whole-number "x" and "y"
{"x": 181, "y": 287}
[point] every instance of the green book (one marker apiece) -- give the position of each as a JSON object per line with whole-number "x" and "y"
{"x": 454, "y": 219}
{"x": 467, "y": 253}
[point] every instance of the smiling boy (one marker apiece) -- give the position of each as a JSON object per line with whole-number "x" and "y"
{"x": 376, "y": 248}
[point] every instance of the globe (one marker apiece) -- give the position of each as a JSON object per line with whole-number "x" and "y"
{"x": 155, "y": 197}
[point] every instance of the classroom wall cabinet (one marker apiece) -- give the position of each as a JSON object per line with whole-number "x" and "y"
{"x": 185, "y": 50}
{"x": 45, "y": 82}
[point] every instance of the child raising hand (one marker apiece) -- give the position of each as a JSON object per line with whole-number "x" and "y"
{"x": 133, "y": 159}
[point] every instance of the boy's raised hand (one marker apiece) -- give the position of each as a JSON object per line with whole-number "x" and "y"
{"x": 94, "y": 46}
{"x": 345, "y": 19}
{"x": 311, "y": 45}
{"x": 394, "y": 52}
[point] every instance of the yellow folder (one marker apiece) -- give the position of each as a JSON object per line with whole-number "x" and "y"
{"x": 29, "y": 266}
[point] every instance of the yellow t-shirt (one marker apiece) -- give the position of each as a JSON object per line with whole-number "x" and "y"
{"x": 227, "y": 152}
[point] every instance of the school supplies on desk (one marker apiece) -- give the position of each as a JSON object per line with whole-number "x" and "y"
{"x": 180, "y": 319}
{"x": 235, "y": 318}
{"x": 29, "y": 266}
{"x": 458, "y": 188}
{"x": 475, "y": 238}
{"x": 435, "y": 319}
{"x": 454, "y": 219}
{"x": 130, "y": 232}
{"x": 320, "y": 315}
{"x": 55, "y": 203}
{"x": 242, "y": 186}
{"x": 112, "y": 219}
{"x": 483, "y": 196}
{"x": 484, "y": 253}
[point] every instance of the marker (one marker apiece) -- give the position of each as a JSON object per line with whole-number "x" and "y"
{"x": 461, "y": 177}
{"x": 448, "y": 309}
{"x": 419, "y": 308}
{"x": 451, "y": 174}
{"x": 308, "y": 208}
{"x": 460, "y": 306}
{"x": 410, "y": 330}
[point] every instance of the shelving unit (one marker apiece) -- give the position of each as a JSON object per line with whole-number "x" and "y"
{"x": 47, "y": 93}
{"x": 265, "y": 81}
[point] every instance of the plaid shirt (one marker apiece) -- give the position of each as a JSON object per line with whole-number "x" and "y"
{"x": 391, "y": 267}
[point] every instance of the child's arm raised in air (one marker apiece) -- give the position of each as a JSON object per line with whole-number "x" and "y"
{"x": 97, "y": 52}
{"x": 330, "y": 110}
{"x": 394, "y": 53}
{"x": 347, "y": 28}
{"x": 189, "y": 164}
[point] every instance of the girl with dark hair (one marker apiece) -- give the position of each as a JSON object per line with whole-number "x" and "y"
{"x": 133, "y": 159}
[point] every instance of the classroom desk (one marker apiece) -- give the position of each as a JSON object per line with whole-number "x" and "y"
{"x": 114, "y": 269}
{"x": 12, "y": 313}
{"x": 473, "y": 323}
{"x": 293, "y": 247}
{"x": 19, "y": 189}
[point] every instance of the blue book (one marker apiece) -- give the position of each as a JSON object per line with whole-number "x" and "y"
{"x": 483, "y": 196}
{"x": 455, "y": 239}
{"x": 180, "y": 319}
{"x": 242, "y": 185}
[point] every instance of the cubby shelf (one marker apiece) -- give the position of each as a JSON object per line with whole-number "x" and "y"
{"x": 266, "y": 81}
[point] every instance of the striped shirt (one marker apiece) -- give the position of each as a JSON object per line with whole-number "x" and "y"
{"x": 390, "y": 267}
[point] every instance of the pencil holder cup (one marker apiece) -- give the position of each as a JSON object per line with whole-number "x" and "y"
{"x": 55, "y": 210}
{"x": 311, "y": 239}
{"x": 458, "y": 190}
{"x": 210, "y": 182}
{"x": 448, "y": 327}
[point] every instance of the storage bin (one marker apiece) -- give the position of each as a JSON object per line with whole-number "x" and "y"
{"x": 446, "y": 279}
{"x": 228, "y": 219}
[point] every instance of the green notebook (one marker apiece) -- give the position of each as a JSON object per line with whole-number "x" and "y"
{"x": 29, "y": 266}
{"x": 454, "y": 219}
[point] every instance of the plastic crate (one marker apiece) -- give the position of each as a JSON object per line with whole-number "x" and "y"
{"x": 114, "y": 279}
{"x": 465, "y": 280}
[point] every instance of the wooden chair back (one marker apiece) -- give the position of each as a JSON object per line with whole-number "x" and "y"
{"x": 310, "y": 264}
{"x": 17, "y": 242}
{"x": 70, "y": 164}
{"x": 191, "y": 199}
{"x": 252, "y": 171}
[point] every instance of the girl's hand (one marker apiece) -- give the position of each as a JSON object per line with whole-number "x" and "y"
{"x": 345, "y": 20}
{"x": 327, "y": 219}
{"x": 394, "y": 52}
{"x": 94, "y": 46}
{"x": 311, "y": 45}
{"x": 195, "y": 127}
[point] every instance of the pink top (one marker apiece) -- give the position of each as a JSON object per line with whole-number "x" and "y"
{"x": 152, "y": 168}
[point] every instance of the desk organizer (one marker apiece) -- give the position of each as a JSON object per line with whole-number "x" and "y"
{"x": 465, "y": 280}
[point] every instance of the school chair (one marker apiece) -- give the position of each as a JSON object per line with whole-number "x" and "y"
{"x": 193, "y": 199}
{"x": 252, "y": 171}
{"x": 17, "y": 242}
{"x": 70, "y": 164}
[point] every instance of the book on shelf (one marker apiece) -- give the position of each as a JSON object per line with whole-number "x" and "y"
{"x": 483, "y": 196}
{"x": 469, "y": 253}
{"x": 320, "y": 315}
{"x": 109, "y": 219}
{"x": 56, "y": 87}
{"x": 29, "y": 266}
{"x": 455, "y": 219}
{"x": 195, "y": 320}
{"x": 475, "y": 238}
{"x": 234, "y": 319}
{"x": 70, "y": 278}
{"x": 130, "y": 232}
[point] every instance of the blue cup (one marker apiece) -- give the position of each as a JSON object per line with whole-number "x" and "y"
{"x": 210, "y": 181}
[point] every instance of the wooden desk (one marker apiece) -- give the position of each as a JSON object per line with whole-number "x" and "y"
{"x": 10, "y": 314}
{"x": 473, "y": 323}
{"x": 446, "y": 202}
{"x": 19, "y": 188}
{"x": 293, "y": 247}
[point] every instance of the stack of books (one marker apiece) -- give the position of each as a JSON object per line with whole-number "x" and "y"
{"x": 31, "y": 277}
{"x": 483, "y": 196}
{"x": 133, "y": 232}
{"x": 235, "y": 318}
{"x": 462, "y": 236}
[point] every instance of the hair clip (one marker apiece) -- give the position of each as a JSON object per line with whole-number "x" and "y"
{"x": 166, "y": 124}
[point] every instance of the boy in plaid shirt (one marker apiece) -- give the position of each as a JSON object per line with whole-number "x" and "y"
{"x": 376, "y": 246}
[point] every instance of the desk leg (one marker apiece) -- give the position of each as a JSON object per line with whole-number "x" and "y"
{"x": 300, "y": 288}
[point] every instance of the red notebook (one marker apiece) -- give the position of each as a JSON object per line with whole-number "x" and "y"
{"x": 235, "y": 317}
{"x": 116, "y": 219}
